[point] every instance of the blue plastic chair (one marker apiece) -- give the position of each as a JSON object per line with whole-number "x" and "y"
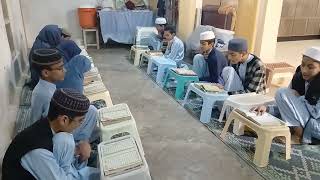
{"x": 181, "y": 82}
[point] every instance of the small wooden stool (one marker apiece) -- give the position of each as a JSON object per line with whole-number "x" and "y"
{"x": 84, "y": 31}
{"x": 138, "y": 51}
{"x": 265, "y": 136}
{"x": 274, "y": 68}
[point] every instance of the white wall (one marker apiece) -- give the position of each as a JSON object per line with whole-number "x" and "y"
{"x": 38, "y": 13}
{"x": 4, "y": 61}
{"x": 8, "y": 109}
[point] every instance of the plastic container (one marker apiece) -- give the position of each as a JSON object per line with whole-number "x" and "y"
{"x": 87, "y": 16}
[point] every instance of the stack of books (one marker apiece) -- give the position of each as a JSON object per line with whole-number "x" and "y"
{"x": 119, "y": 156}
{"x": 94, "y": 88}
{"x": 114, "y": 114}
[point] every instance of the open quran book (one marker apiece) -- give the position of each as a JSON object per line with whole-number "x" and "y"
{"x": 119, "y": 156}
{"x": 155, "y": 53}
{"x": 141, "y": 47}
{"x": 184, "y": 72}
{"x": 114, "y": 114}
{"x": 262, "y": 120}
{"x": 94, "y": 88}
{"x": 209, "y": 87}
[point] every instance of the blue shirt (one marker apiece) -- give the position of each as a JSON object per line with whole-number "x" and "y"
{"x": 176, "y": 51}
{"x": 40, "y": 100}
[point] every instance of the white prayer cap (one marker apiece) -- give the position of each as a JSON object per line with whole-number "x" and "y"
{"x": 161, "y": 21}
{"x": 208, "y": 35}
{"x": 313, "y": 52}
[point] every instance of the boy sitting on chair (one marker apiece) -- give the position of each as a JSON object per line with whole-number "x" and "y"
{"x": 49, "y": 64}
{"x": 246, "y": 73}
{"x": 299, "y": 105}
{"x": 156, "y": 41}
{"x": 46, "y": 150}
{"x": 209, "y": 64}
{"x": 175, "y": 48}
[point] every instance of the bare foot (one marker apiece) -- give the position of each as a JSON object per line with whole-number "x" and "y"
{"x": 296, "y": 140}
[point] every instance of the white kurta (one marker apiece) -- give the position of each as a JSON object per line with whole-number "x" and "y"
{"x": 297, "y": 111}
{"x": 60, "y": 164}
{"x": 40, "y": 102}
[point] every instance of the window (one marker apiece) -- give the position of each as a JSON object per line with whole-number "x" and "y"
{"x": 7, "y": 22}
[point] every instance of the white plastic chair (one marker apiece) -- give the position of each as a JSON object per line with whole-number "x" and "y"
{"x": 137, "y": 53}
{"x": 265, "y": 136}
{"x": 123, "y": 128}
{"x": 209, "y": 100}
{"x": 243, "y": 101}
{"x": 163, "y": 64}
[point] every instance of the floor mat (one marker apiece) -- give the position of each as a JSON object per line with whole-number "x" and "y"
{"x": 303, "y": 165}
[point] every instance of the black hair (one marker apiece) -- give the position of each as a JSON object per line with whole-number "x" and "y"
{"x": 55, "y": 111}
{"x": 39, "y": 68}
{"x": 171, "y": 29}
{"x": 209, "y": 41}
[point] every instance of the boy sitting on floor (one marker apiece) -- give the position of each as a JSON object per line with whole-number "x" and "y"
{"x": 246, "y": 73}
{"x": 299, "y": 105}
{"x": 209, "y": 64}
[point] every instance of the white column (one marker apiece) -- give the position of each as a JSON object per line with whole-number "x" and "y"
{"x": 267, "y": 29}
{"x": 187, "y": 13}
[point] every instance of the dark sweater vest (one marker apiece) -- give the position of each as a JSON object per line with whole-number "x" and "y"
{"x": 37, "y": 136}
{"x": 312, "y": 95}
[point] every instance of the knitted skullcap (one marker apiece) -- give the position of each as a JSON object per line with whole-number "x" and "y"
{"x": 46, "y": 57}
{"x": 71, "y": 100}
{"x": 238, "y": 45}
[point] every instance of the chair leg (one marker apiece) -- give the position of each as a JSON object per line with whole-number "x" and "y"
{"x": 186, "y": 97}
{"x": 288, "y": 145}
{"x": 97, "y": 39}
{"x": 150, "y": 65}
{"x": 84, "y": 39}
{"x": 130, "y": 54}
{"x": 160, "y": 75}
{"x": 223, "y": 111}
{"x": 206, "y": 110}
{"x": 238, "y": 128}
{"x": 180, "y": 89}
{"x": 136, "y": 59}
{"x": 226, "y": 126}
{"x": 166, "y": 79}
{"x": 263, "y": 145}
